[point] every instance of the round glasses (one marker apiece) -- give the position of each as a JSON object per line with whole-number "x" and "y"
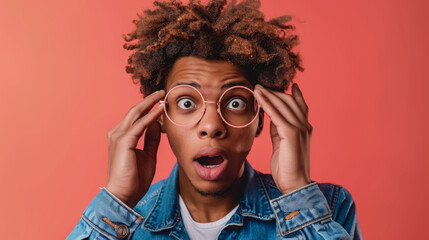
{"x": 184, "y": 106}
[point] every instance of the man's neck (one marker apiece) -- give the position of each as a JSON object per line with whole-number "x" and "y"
{"x": 208, "y": 207}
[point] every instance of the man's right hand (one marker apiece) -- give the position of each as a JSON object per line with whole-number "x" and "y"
{"x": 131, "y": 170}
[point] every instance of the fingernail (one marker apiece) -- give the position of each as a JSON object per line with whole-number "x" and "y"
{"x": 258, "y": 91}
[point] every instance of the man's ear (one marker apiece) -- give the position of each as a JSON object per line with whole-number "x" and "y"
{"x": 160, "y": 120}
{"x": 260, "y": 122}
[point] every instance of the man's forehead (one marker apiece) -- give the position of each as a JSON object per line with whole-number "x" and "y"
{"x": 213, "y": 72}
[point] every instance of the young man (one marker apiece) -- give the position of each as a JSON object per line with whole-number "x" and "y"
{"x": 215, "y": 72}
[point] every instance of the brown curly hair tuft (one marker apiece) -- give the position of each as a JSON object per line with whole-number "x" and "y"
{"x": 237, "y": 33}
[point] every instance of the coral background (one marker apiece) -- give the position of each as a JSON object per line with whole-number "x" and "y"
{"x": 63, "y": 86}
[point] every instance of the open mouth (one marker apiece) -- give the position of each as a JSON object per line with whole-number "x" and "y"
{"x": 210, "y": 161}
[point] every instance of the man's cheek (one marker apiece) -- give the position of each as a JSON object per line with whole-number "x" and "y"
{"x": 178, "y": 144}
{"x": 243, "y": 143}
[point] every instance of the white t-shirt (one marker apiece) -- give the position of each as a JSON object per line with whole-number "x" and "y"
{"x": 196, "y": 230}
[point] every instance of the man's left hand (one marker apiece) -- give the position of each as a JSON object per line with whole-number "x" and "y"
{"x": 290, "y": 135}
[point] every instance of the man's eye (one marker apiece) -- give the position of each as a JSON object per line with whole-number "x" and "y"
{"x": 185, "y": 103}
{"x": 236, "y": 104}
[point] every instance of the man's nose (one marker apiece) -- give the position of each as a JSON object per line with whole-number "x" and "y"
{"x": 211, "y": 124}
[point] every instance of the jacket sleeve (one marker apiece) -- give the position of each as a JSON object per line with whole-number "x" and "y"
{"x": 106, "y": 217}
{"x": 306, "y": 214}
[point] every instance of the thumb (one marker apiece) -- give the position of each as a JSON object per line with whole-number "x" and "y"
{"x": 152, "y": 139}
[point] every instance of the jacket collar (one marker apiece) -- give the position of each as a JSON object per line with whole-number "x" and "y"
{"x": 255, "y": 201}
{"x": 165, "y": 213}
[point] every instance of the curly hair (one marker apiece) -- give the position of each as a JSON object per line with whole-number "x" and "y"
{"x": 236, "y": 33}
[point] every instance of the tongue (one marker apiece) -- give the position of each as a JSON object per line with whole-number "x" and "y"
{"x": 210, "y": 160}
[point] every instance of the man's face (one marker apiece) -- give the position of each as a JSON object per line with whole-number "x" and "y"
{"x": 210, "y": 153}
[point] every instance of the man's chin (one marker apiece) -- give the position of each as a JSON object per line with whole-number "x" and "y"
{"x": 213, "y": 192}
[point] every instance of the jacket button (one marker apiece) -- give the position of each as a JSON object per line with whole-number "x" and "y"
{"x": 122, "y": 231}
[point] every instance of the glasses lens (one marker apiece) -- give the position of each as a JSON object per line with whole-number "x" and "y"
{"x": 184, "y": 105}
{"x": 238, "y": 106}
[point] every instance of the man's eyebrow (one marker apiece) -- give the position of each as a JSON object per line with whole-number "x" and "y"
{"x": 231, "y": 84}
{"x": 195, "y": 85}
{"x": 225, "y": 86}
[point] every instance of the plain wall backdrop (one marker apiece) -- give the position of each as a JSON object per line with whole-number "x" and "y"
{"x": 63, "y": 86}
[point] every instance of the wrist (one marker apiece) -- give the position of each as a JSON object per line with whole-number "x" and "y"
{"x": 294, "y": 186}
{"x": 127, "y": 200}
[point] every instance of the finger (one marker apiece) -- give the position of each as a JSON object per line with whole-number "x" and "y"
{"x": 296, "y": 92}
{"x": 291, "y": 102}
{"x": 271, "y": 111}
{"x": 152, "y": 138}
{"x": 297, "y": 109}
{"x": 140, "y": 109}
{"x": 281, "y": 106}
{"x": 142, "y": 123}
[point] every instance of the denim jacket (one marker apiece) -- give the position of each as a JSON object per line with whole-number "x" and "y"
{"x": 314, "y": 211}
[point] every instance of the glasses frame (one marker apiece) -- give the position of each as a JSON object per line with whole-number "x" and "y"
{"x": 204, "y": 106}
